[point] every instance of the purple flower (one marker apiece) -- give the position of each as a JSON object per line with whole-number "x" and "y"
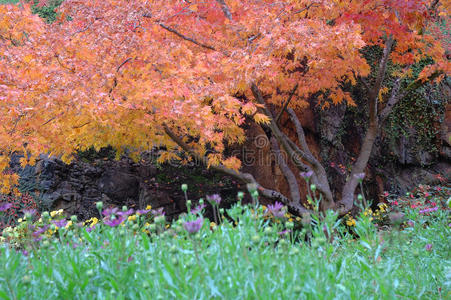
{"x": 109, "y": 211}
{"x": 214, "y": 199}
{"x": 428, "y": 210}
{"x": 277, "y": 209}
{"x": 125, "y": 213}
{"x": 359, "y": 176}
{"x": 114, "y": 222}
{"x": 90, "y": 228}
{"x": 37, "y": 239}
{"x": 158, "y": 212}
{"x": 5, "y": 206}
{"x": 411, "y": 223}
{"x": 60, "y": 223}
{"x": 142, "y": 211}
{"x": 307, "y": 175}
{"x": 428, "y": 247}
{"x": 25, "y": 252}
{"x": 283, "y": 232}
{"x": 193, "y": 226}
{"x": 40, "y": 231}
{"x": 198, "y": 209}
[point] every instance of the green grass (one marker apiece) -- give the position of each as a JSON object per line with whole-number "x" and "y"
{"x": 246, "y": 260}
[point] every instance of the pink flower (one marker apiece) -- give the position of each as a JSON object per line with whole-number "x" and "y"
{"x": 277, "y": 209}
{"x": 193, "y": 226}
{"x": 5, "y": 206}
{"x": 428, "y": 247}
{"x": 428, "y": 210}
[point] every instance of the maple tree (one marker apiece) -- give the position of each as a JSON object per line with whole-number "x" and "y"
{"x": 187, "y": 75}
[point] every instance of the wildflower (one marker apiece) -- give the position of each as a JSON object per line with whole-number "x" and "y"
{"x": 54, "y": 213}
{"x": 193, "y": 226}
{"x": 307, "y": 175}
{"x": 359, "y": 176}
{"x": 132, "y": 218}
{"x": 198, "y": 209}
{"x": 109, "y": 212}
{"x": 184, "y": 187}
{"x": 158, "y": 212}
{"x": 60, "y": 223}
{"x": 40, "y": 231}
{"x": 214, "y": 199}
{"x": 69, "y": 224}
{"x": 277, "y": 209}
{"x": 410, "y": 223}
{"x": 143, "y": 211}
{"x": 428, "y": 247}
{"x": 350, "y": 222}
{"x": 428, "y": 210}
{"x": 284, "y": 232}
{"x": 113, "y": 222}
{"x": 125, "y": 213}
{"x": 386, "y": 194}
{"x": 91, "y": 228}
{"x": 149, "y": 207}
{"x": 5, "y": 206}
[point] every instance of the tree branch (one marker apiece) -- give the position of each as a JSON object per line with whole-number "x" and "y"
{"x": 285, "y": 105}
{"x": 225, "y": 9}
{"x": 186, "y": 38}
{"x": 347, "y": 201}
{"x": 394, "y": 98}
{"x": 243, "y": 177}
{"x": 289, "y": 175}
{"x": 294, "y": 152}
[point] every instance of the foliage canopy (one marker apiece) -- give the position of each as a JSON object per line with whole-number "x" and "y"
{"x": 125, "y": 73}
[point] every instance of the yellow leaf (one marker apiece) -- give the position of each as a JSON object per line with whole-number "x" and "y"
{"x": 28, "y": 58}
{"x": 261, "y": 118}
{"x": 167, "y": 156}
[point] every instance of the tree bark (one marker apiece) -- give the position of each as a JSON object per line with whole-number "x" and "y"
{"x": 347, "y": 201}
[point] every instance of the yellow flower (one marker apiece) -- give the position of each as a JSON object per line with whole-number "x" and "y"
{"x": 20, "y": 220}
{"x": 290, "y": 219}
{"x": 132, "y": 218}
{"x": 350, "y": 222}
{"x": 298, "y": 219}
{"x": 149, "y": 207}
{"x": 69, "y": 224}
{"x": 213, "y": 225}
{"x": 147, "y": 224}
{"x": 264, "y": 207}
{"x": 53, "y": 213}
